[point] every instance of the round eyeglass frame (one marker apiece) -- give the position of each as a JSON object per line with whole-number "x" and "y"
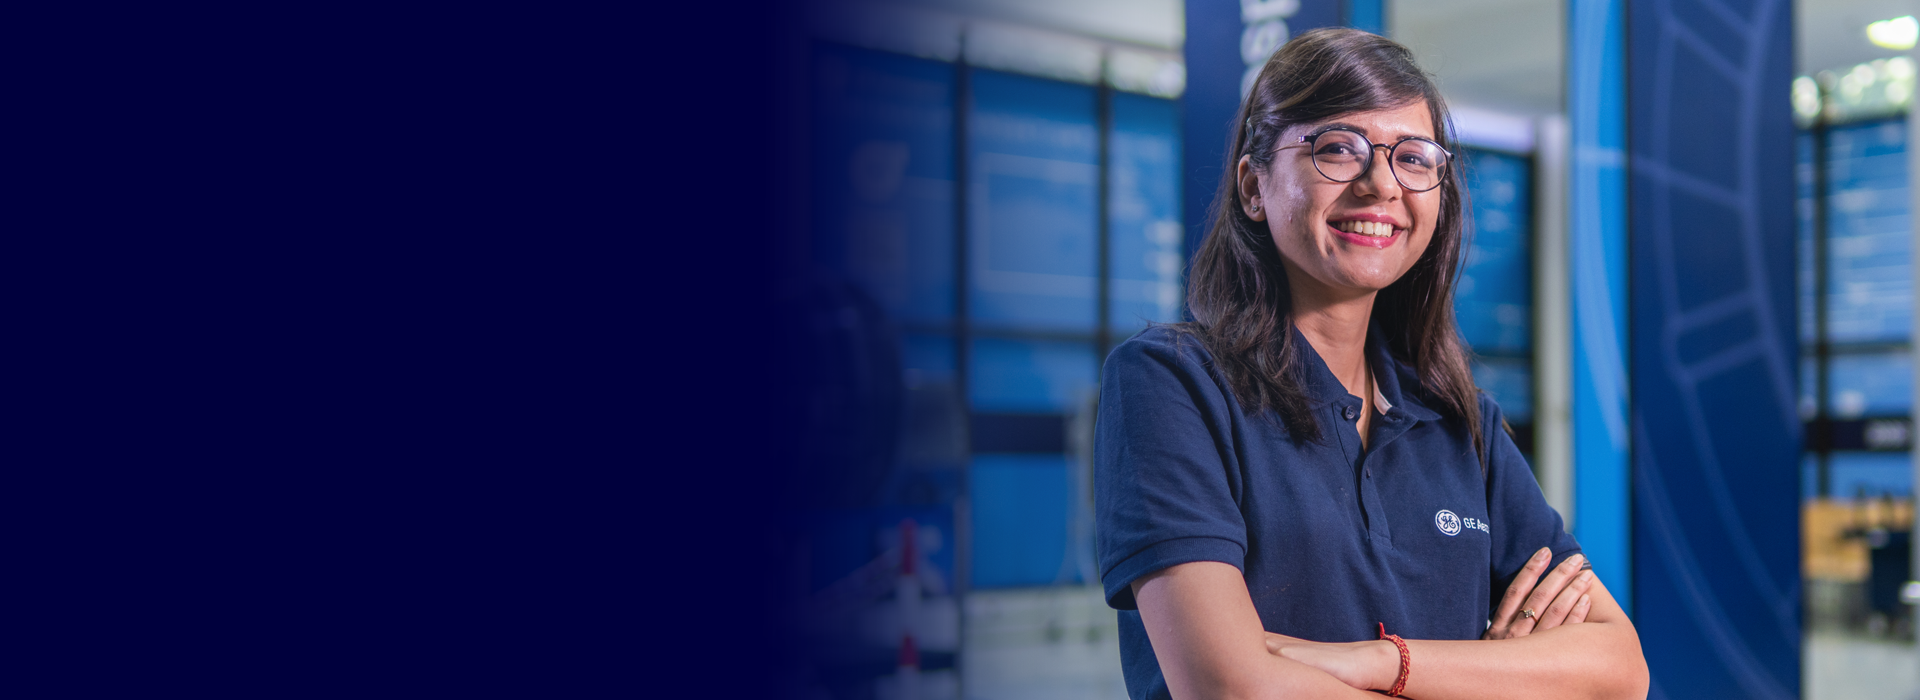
{"x": 1364, "y": 169}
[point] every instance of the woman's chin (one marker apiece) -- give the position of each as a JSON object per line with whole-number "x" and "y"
{"x": 1369, "y": 280}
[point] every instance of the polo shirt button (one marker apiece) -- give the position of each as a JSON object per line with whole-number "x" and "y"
{"x": 1348, "y": 412}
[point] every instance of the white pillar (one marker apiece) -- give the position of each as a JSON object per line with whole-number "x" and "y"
{"x": 1552, "y": 319}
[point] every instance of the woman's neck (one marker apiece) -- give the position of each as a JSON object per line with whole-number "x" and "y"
{"x": 1337, "y": 330}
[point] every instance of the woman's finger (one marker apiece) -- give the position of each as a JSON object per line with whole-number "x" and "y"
{"x": 1544, "y": 594}
{"x": 1556, "y": 614}
{"x": 1517, "y": 593}
{"x": 1580, "y": 610}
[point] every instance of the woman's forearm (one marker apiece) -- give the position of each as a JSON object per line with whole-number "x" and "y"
{"x": 1598, "y": 660}
{"x": 1207, "y": 639}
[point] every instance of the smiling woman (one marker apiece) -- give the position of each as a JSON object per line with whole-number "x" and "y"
{"x": 1308, "y": 466}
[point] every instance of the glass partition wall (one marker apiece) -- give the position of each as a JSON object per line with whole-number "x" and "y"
{"x": 1856, "y": 380}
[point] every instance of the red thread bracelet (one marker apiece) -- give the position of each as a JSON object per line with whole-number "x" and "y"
{"x": 1406, "y": 661}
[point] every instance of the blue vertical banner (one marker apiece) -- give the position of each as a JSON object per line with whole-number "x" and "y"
{"x": 1227, "y": 43}
{"x": 1715, "y": 431}
{"x": 1370, "y": 15}
{"x": 1597, "y": 232}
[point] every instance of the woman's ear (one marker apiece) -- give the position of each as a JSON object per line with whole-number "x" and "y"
{"x": 1249, "y": 180}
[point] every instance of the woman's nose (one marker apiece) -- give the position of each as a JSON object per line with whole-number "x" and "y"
{"x": 1379, "y": 180}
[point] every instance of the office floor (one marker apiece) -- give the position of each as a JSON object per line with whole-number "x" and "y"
{"x": 1042, "y": 644}
{"x": 1845, "y": 667}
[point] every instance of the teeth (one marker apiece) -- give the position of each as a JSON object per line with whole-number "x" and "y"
{"x": 1377, "y": 229}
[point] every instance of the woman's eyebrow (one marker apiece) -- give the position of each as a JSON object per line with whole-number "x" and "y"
{"x": 1363, "y": 131}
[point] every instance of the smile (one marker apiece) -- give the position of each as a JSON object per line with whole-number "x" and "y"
{"x": 1373, "y": 234}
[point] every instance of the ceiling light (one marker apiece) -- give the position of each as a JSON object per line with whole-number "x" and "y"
{"x": 1806, "y": 97}
{"x": 1899, "y": 68}
{"x": 1899, "y": 33}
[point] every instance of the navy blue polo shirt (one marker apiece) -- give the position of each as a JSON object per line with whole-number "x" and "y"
{"x": 1332, "y": 538}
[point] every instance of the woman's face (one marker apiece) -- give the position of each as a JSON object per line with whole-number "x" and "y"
{"x": 1322, "y": 227}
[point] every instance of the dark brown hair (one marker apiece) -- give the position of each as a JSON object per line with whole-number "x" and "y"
{"x": 1237, "y": 288}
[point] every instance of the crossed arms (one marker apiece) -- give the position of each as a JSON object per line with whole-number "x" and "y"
{"x": 1210, "y": 645}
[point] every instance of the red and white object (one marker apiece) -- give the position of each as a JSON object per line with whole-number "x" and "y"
{"x": 907, "y": 598}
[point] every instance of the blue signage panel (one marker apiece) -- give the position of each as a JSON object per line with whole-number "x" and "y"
{"x": 1226, "y": 40}
{"x": 1715, "y": 426}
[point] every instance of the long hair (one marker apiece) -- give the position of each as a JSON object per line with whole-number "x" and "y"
{"x": 1237, "y": 289}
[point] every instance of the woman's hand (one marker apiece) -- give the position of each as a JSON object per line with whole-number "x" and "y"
{"x": 1371, "y": 665}
{"x": 1560, "y": 598}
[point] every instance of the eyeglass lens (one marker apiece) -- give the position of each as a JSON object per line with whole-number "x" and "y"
{"x": 1343, "y": 156}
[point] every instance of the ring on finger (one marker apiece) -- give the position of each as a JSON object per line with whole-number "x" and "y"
{"x": 1529, "y": 613}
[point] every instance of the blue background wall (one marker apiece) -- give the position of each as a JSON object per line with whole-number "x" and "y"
{"x": 1715, "y": 429}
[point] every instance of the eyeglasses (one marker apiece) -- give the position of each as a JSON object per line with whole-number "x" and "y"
{"x": 1343, "y": 155}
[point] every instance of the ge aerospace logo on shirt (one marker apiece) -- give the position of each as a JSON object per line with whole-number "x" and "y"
{"x": 1450, "y": 524}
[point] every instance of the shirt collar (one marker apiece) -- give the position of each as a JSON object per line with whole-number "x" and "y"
{"x": 1389, "y": 377}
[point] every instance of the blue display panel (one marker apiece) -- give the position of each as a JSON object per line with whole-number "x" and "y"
{"x": 1033, "y": 189}
{"x": 883, "y": 177}
{"x": 1869, "y": 248}
{"x": 1143, "y": 210}
{"x": 1031, "y": 376}
{"x": 1509, "y": 382}
{"x": 1803, "y": 246}
{"x": 1809, "y": 381}
{"x": 1021, "y": 513}
{"x": 1872, "y": 474}
{"x": 1873, "y": 384}
{"x": 1494, "y": 300}
{"x": 1861, "y": 474}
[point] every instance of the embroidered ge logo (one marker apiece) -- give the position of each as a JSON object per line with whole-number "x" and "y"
{"x": 1447, "y": 522}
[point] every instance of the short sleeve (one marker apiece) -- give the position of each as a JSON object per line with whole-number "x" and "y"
{"x": 1166, "y": 489}
{"x": 1522, "y": 521}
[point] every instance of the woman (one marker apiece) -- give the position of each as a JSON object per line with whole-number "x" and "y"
{"x": 1307, "y": 468}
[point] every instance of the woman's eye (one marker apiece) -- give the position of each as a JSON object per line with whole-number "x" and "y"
{"x": 1336, "y": 149}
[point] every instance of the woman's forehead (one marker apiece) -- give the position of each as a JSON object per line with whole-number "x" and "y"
{"x": 1383, "y": 125}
